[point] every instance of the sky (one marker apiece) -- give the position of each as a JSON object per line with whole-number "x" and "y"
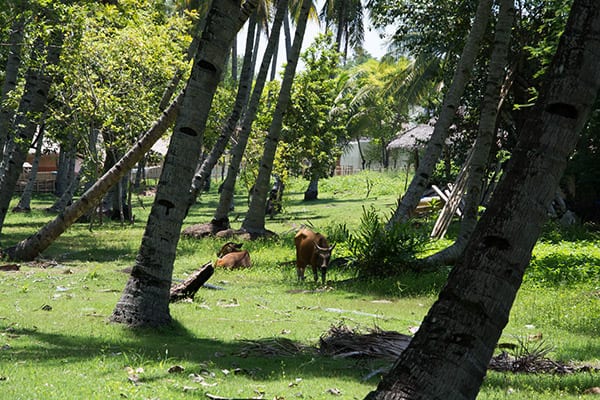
{"x": 373, "y": 44}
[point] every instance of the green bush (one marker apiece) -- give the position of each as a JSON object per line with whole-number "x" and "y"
{"x": 379, "y": 251}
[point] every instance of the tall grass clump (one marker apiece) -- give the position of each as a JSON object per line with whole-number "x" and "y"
{"x": 378, "y": 251}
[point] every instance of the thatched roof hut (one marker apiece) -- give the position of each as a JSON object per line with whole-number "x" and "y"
{"x": 413, "y": 138}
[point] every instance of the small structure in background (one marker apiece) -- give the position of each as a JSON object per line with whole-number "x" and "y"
{"x": 46, "y": 174}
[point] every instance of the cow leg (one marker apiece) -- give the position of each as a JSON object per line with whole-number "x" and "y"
{"x": 324, "y": 275}
{"x": 314, "y": 269}
{"x": 300, "y": 272}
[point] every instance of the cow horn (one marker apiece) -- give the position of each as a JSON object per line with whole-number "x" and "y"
{"x": 323, "y": 248}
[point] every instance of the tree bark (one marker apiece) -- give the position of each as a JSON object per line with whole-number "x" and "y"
{"x": 435, "y": 145}
{"x": 31, "y": 247}
{"x": 145, "y": 299}
{"x": 11, "y": 75}
{"x": 485, "y": 137}
{"x": 312, "y": 191}
{"x": 449, "y": 355}
{"x": 287, "y": 35}
{"x": 221, "y": 216}
{"x": 32, "y": 105}
{"x": 66, "y": 165}
{"x": 254, "y": 222}
{"x": 67, "y": 197}
{"x": 24, "y": 204}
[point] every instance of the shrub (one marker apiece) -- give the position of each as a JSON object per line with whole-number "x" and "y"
{"x": 379, "y": 251}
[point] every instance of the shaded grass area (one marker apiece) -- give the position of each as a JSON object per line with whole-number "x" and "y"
{"x": 56, "y": 343}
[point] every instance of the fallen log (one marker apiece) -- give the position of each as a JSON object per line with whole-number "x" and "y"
{"x": 10, "y": 267}
{"x": 188, "y": 288}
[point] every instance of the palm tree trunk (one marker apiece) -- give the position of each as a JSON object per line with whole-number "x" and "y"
{"x": 287, "y": 35}
{"x": 312, "y": 191}
{"x": 24, "y": 204}
{"x": 435, "y": 145}
{"x": 245, "y": 84}
{"x": 485, "y": 138}
{"x": 66, "y": 166}
{"x": 234, "y": 67}
{"x": 256, "y": 43}
{"x": 32, "y": 105}
{"x": 274, "y": 63}
{"x": 66, "y": 198}
{"x": 11, "y": 75}
{"x": 449, "y": 355}
{"x": 145, "y": 299}
{"x": 254, "y": 222}
{"x": 221, "y": 216}
{"x": 31, "y": 247}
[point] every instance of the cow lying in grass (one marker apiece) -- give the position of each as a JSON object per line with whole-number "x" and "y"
{"x": 231, "y": 256}
{"x": 312, "y": 249}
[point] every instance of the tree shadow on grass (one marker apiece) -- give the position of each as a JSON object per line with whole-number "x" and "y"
{"x": 260, "y": 360}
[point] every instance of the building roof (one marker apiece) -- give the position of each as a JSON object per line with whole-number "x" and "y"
{"x": 413, "y": 138}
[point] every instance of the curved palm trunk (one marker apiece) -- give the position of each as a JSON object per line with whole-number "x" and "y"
{"x": 256, "y": 43}
{"x": 255, "y": 218}
{"x": 436, "y": 144}
{"x": 274, "y": 64}
{"x": 203, "y": 173}
{"x": 234, "y": 67}
{"x": 32, "y": 105}
{"x": 221, "y": 216}
{"x": 485, "y": 137}
{"x": 449, "y": 355}
{"x": 31, "y": 247}
{"x": 145, "y": 299}
{"x": 287, "y": 35}
{"x": 67, "y": 197}
{"x": 11, "y": 76}
{"x": 25, "y": 200}
{"x": 66, "y": 166}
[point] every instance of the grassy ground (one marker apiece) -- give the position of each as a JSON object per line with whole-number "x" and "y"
{"x": 56, "y": 343}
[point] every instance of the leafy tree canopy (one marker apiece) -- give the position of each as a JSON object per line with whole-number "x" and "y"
{"x": 312, "y": 133}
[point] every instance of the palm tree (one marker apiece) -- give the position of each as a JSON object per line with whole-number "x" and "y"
{"x": 347, "y": 16}
{"x": 434, "y": 147}
{"x": 11, "y": 75}
{"x": 25, "y": 200}
{"x": 449, "y": 355}
{"x": 32, "y": 105}
{"x": 145, "y": 299}
{"x": 483, "y": 144}
{"x": 220, "y": 220}
{"x": 241, "y": 100}
{"x": 254, "y": 222}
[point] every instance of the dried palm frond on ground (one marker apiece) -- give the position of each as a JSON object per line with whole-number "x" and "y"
{"x": 504, "y": 362}
{"x": 341, "y": 341}
{"x": 530, "y": 355}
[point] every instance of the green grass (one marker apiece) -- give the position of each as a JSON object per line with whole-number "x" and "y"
{"x": 56, "y": 343}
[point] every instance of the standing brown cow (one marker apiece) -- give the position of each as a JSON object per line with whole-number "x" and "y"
{"x": 312, "y": 249}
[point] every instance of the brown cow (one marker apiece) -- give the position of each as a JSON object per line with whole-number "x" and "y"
{"x": 229, "y": 247}
{"x": 312, "y": 249}
{"x": 235, "y": 259}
